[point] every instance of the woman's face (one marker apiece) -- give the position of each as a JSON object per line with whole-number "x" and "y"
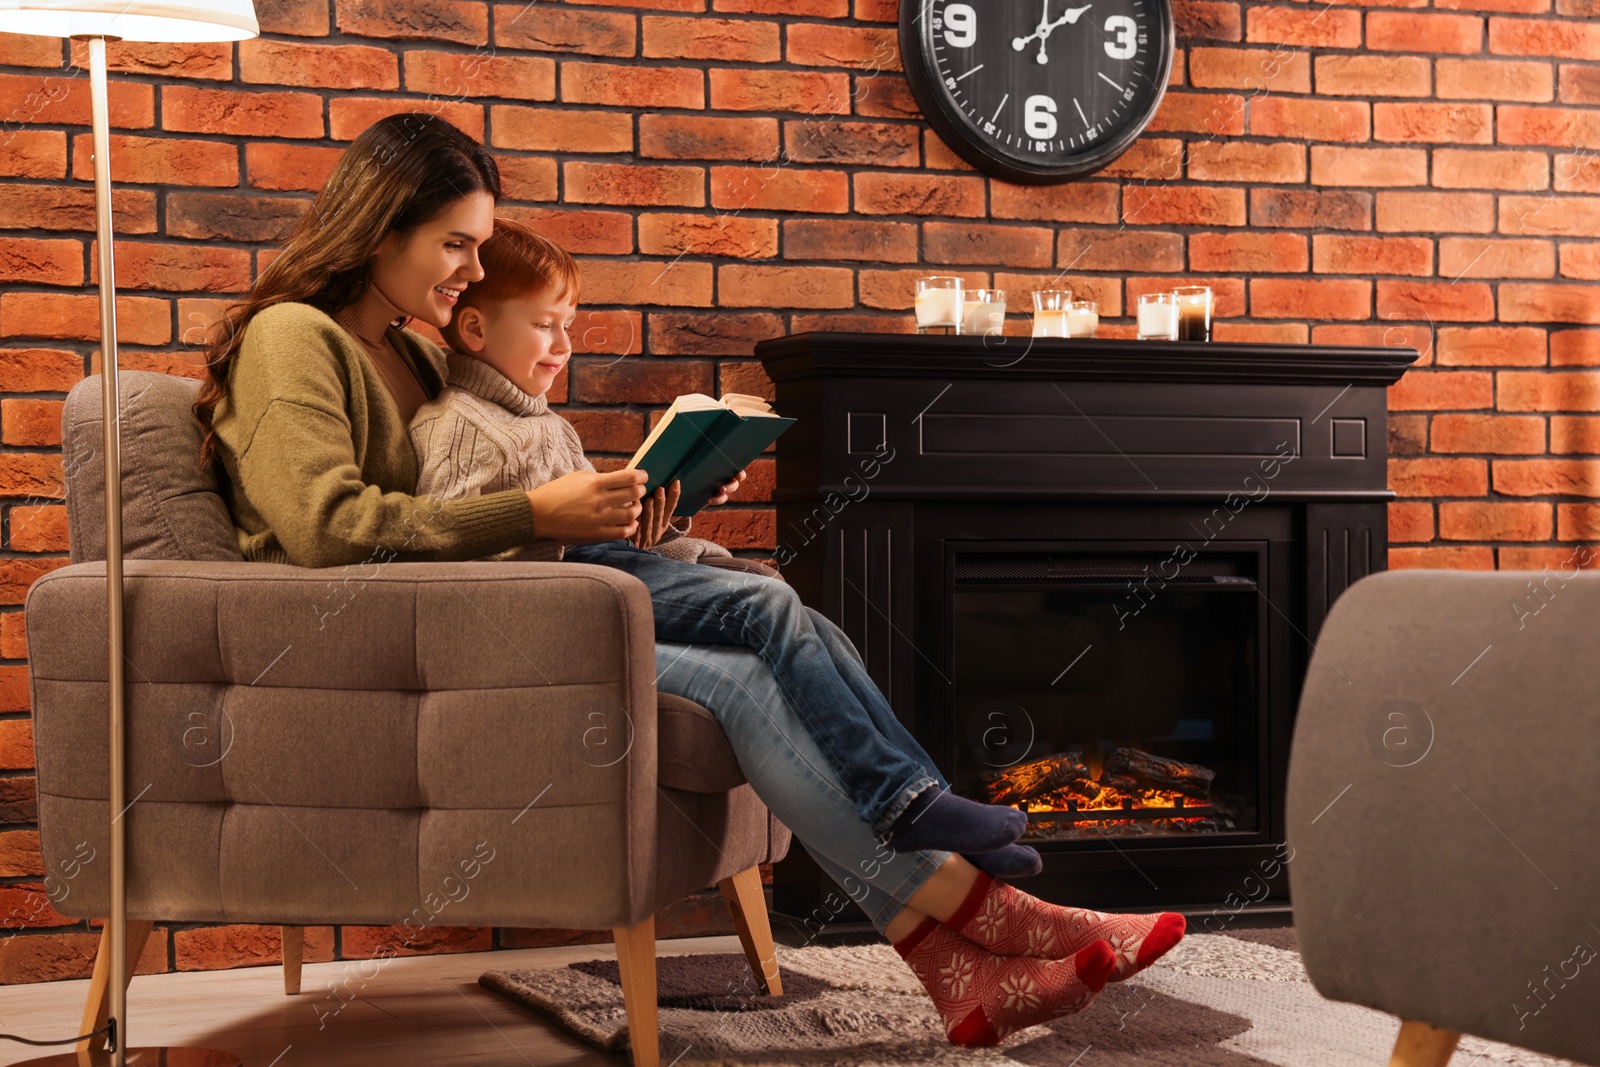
{"x": 423, "y": 272}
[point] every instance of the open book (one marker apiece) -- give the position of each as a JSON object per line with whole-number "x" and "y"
{"x": 703, "y": 443}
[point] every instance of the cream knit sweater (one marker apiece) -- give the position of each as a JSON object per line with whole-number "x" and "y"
{"x": 483, "y": 435}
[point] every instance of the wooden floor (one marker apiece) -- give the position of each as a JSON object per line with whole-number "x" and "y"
{"x": 422, "y": 1010}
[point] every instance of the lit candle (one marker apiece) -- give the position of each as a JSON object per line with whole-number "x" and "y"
{"x": 1158, "y": 317}
{"x": 1194, "y": 312}
{"x": 984, "y": 312}
{"x": 1051, "y": 323}
{"x": 938, "y": 305}
{"x": 1083, "y": 318}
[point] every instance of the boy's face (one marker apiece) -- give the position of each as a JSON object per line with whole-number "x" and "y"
{"x": 526, "y": 338}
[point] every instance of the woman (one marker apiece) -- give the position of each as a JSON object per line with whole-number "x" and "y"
{"x": 310, "y": 391}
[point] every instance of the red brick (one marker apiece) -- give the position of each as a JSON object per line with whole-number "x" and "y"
{"x": 615, "y": 333}
{"x": 1482, "y": 433}
{"x": 1081, "y": 250}
{"x": 1580, "y": 261}
{"x": 742, "y": 285}
{"x": 1519, "y": 7}
{"x": 76, "y": 316}
{"x": 826, "y": 140}
{"x": 1570, "y": 434}
{"x": 704, "y": 137}
{"x": 1087, "y": 201}
{"x": 621, "y": 183}
{"x": 1193, "y": 206}
{"x": 1443, "y": 557}
{"x": 1476, "y": 257}
{"x": 1016, "y": 246}
{"x": 1436, "y": 123}
{"x": 528, "y": 178}
{"x": 1455, "y": 168}
{"x": 1491, "y": 346}
{"x": 1286, "y": 298}
{"x": 36, "y": 528}
{"x": 375, "y": 942}
{"x": 1228, "y": 293}
{"x": 828, "y": 240}
{"x": 1313, "y": 120}
{"x": 48, "y": 207}
{"x": 33, "y": 50}
{"x": 1206, "y": 20}
{"x": 541, "y": 28}
{"x": 681, "y": 284}
{"x": 1436, "y": 301}
{"x": 607, "y": 431}
{"x": 1338, "y": 254}
{"x": 343, "y": 66}
{"x": 176, "y": 267}
{"x": 1563, "y": 127}
{"x": 1582, "y": 557}
{"x": 1218, "y": 115}
{"x": 1563, "y": 216}
{"x": 302, "y": 18}
{"x": 818, "y": 45}
{"x": 637, "y": 381}
{"x": 34, "y": 154}
{"x": 288, "y": 166}
{"x": 1547, "y": 477}
{"x": 412, "y": 20}
{"x": 1579, "y": 84}
{"x": 1480, "y": 520}
{"x": 1151, "y": 159}
{"x": 1247, "y": 253}
{"x": 1257, "y": 69}
{"x": 877, "y": 10}
{"x": 1545, "y": 302}
{"x": 1239, "y": 161}
{"x": 1410, "y": 520}
{"x": 1496, "y": 80}
{"x": 780, "y": 189}
{"x": 1404, "y": 31}
{"x": 579, "y": 231}
{"x": 213, "y": 948}
{"x": 615, "y": 85}
{"x": 715, "y": 333}
{"x": 561, "y": 129}
{"x": 724, "y": 40}
{"x": 160, "y": 161}
{"x": 879, "y": 97}
{"x": 1435, "y": 390}
{"x": 1019, "y": 289}
{"x": 828, "y": 9}
{"x": 60, "y": 100}
{"x": 256, "y": 114}
{"x": 1577, "y": 172}
{"x": 892, "y": 290}
{"x": 30, "y": 422}
{"x": 707, "y": 235}
{"x": 908, "y": 194}
{"x": 1435, "y": 477}
{"x": 1577, "y": 522}
{"x": 48, "y": 957}
{"x": 457, "y": 75}
{"x": 1260, "y": 333}
{"x": 41, "y": 262}
{"x": 1546, "y": 390}
{"x": 738, "y": 528}
{"x": 1561, "y": 38}
{"x": 1342, "y": 165}
{"x": 1325, "y": 27}
{"x": 1304, "y": 209}
{"x": 1368, "y": 76}
{"x": 938, "y": 156}
{"x": 39, "y": 370}
{"x": 811, "y": 92}
{"x": 348, "y": 116}
{"x": 19, "y": 850}
{"x": 1575, "y": 348}
{"x": 1435, "y": 212}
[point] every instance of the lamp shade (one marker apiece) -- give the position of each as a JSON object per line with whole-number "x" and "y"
{"x": 177, "y": 21}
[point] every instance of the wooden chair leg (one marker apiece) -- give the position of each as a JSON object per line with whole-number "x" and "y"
{"x": 294, "y": 940}
{"x": 636, "y": 959}
{"x": 98, "y": 1008}
{"x": 748, "y": 905}
{"x": 1421, "y": 1045}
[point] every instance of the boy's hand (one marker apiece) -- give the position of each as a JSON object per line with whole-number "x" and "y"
{"x": 656, "y": 515}
{"x": 722, "y": 494}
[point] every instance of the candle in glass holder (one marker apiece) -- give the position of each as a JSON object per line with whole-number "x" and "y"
{"x": 1050, "y": 312}
{"x": 938, "y": 305}
{"x": 1158, "y": 317}
{"x": 1083, "y": 318}
{"x": 983, "y": 311}
{"x": 1194, "y": 312}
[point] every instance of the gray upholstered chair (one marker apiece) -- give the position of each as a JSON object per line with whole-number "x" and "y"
{"x": 1446, "y": 863}
{"x": 405, "y": 744}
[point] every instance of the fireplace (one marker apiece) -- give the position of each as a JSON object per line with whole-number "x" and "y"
{"x": 1087, "y": 575}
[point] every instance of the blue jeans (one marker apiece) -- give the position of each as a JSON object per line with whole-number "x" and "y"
{"x": 818, "y": 671}
{"x": 789, "y": 772}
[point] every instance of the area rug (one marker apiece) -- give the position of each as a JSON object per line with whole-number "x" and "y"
{"x": 1214, "y": 1001}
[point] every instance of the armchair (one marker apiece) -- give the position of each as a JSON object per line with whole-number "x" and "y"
{"x": 396, "y": 744}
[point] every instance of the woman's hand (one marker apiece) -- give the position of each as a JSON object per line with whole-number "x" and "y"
{"x": 587, "y": 506}
{"x": 722, "y": 494}
{"x": 657, "y": 514}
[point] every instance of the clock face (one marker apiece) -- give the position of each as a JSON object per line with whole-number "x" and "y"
{"x": 1037, "y": 91}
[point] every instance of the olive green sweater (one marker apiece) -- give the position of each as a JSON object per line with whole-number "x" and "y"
{"x": 319, "y": 463}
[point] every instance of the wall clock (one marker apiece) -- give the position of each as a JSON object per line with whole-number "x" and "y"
{"x": 1037, "y": 91}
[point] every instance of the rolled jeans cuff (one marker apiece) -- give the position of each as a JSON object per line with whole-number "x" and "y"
{"x": 911, "y": 791}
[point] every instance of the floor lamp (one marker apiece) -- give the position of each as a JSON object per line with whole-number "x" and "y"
{"x": 99, "y": 21}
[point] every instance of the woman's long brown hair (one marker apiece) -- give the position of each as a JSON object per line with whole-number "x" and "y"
{"x": 399, "y": 172}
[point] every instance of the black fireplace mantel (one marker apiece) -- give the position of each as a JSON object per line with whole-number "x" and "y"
{"x": 912, "y": 453}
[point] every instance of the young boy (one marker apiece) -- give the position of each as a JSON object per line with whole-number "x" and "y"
{"x": 492, "y": 429}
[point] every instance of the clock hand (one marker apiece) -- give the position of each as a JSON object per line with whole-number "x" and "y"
{"x": 1071, "y": 15}
{"x": 1019, "y": 43}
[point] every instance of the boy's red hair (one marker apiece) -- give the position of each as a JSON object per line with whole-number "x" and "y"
{"x": 516, "y": 262}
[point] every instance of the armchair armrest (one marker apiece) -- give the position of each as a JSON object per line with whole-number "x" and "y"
{"x": 402, "y": 712}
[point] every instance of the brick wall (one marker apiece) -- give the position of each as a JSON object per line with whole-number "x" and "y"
{"x": 733, "y": 169}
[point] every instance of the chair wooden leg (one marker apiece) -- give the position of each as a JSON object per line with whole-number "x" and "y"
{"x": 636, "y": 959}
{"x": 1421, "y": 1045}
{"x": 98, "y": 1008}
{"x": 748, "y": 905}
{"x": 294, "y": 941}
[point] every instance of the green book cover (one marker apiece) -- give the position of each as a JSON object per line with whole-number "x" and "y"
{"x": 702, "y": 444}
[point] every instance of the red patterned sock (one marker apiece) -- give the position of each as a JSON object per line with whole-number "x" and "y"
{"x": 1009, "y": 922}
{"x": 983, "y": 997}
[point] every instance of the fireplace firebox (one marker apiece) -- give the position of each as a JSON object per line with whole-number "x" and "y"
{"x": 1087, "y": 575}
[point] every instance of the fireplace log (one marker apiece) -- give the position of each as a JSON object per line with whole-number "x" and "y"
{"x": 1037, "y": 777}
{"x": 1158, "y": 772}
